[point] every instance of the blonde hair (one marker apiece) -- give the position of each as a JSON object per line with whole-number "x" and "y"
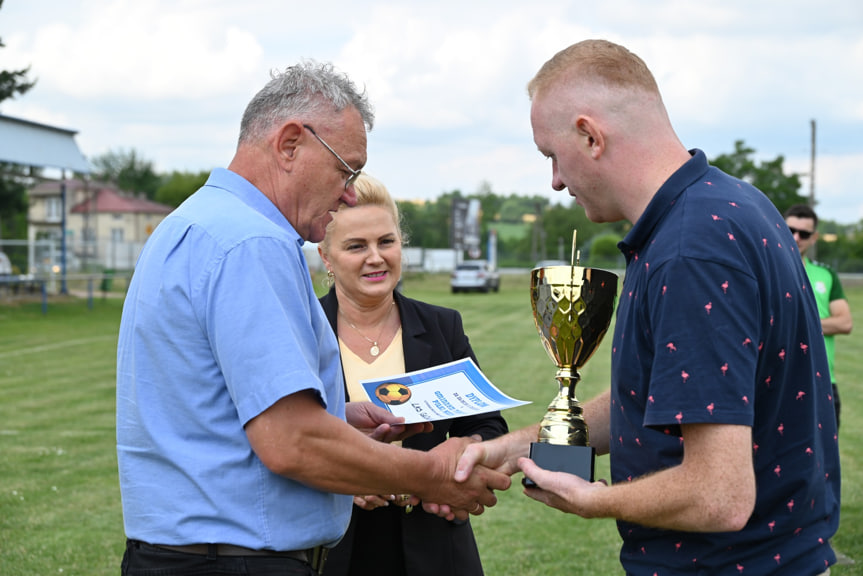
{"x": 595, "y": 60}
{"x": 370, "y": 192}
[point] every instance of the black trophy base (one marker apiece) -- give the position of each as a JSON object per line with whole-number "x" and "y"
{"x": 576, "y": 460}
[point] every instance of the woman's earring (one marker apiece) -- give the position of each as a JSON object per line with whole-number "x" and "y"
{"x": 331, "y": 279}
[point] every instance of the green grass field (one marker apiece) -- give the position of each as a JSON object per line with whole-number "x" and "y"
{"x": 59, "y": 496}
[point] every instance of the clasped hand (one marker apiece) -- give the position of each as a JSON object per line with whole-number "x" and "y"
{"x": 470, "y": 495}
{"x": 508, "y": 455}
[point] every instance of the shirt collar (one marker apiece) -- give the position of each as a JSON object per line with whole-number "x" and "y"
{"x": 664, "y": 199}
{"x": 250, "y": 195}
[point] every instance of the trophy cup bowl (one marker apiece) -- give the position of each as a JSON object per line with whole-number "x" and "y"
{"x": 572, "y": 308}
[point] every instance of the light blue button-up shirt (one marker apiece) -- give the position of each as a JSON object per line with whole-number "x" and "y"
{"x": 220, "y": 322}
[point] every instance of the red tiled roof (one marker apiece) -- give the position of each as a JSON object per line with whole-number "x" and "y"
{"x": 107, "y": 200}
{"x": 52, "y": 187}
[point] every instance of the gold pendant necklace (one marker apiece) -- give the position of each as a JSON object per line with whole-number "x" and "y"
{"x": 375, "y": 349}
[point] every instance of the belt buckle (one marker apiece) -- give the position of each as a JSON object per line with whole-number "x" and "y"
{"x": 317, "y": 557}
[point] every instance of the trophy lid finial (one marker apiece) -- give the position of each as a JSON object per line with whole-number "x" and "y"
{"x": 576, "y": 255}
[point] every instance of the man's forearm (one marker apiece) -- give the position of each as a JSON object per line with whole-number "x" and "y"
{"x": 597, "y": 414}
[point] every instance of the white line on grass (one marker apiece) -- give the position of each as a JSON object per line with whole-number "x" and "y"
{"x": 56, "y": 346}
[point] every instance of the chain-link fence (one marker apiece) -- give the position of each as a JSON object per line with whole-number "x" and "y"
{"x": 29, "y": 268}
{"x": 45, "y": 257}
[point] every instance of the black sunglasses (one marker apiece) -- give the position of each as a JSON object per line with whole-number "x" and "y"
{"x": 804, "y": 234}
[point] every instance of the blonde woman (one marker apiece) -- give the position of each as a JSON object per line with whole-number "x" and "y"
{"x": 382, "y": 332}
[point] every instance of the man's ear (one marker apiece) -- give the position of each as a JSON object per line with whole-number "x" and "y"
{"x": 287, "y": 141}
{"x": 592, "y": 136}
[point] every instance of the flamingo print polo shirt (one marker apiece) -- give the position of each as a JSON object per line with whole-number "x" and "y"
{"x": 716, "y": 324}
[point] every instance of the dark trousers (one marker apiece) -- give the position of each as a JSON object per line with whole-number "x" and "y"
{"x": 836, "y": 404}
{"x": 144, "y": 560}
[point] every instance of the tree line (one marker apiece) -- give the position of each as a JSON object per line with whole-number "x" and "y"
{"x": 528, "y": 228}
{"x": 546, "y": 225}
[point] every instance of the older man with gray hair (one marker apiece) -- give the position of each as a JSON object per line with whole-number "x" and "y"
{"x": 235, "y": 451}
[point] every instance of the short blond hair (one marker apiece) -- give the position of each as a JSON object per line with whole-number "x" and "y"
{"x": 370, "y": 192}
{"x": 594, "y": 60}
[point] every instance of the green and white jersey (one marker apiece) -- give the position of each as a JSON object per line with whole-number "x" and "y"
{"x": 826, "y": 288}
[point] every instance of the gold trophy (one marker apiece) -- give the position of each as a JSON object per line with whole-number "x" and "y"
{"x": 572, "y": 308}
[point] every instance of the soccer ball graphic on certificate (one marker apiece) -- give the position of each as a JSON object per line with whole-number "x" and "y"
{"x": 393, "y": 393}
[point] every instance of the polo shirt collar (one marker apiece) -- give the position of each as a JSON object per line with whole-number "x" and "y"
{"x": 251, "y": 196}
{"x": 663, "y": 200}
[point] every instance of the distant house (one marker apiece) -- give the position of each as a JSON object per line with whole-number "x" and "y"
{"x": 105, "y": 227}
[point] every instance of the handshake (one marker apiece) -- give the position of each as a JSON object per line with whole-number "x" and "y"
{"x": 455, "y": 479}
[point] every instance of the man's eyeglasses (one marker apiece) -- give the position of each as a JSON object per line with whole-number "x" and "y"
{"x": 804, "y": 234}
{"x": 354, "y": 174}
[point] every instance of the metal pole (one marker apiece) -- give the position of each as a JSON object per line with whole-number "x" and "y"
{"x": 812, "y": 168}
{"x": 63, "y": 288}
{"x": 813, "y": 250}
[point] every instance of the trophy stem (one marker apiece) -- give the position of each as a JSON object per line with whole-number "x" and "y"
{"x": 564, "y": 423}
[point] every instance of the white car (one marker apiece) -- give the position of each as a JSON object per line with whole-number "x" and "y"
{"x": 474, "y": 275}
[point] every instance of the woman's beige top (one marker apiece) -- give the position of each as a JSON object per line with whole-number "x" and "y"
{"x": 390, "y": 362}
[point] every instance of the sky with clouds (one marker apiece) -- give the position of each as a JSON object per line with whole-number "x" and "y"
{"x": 171, "y": 78}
